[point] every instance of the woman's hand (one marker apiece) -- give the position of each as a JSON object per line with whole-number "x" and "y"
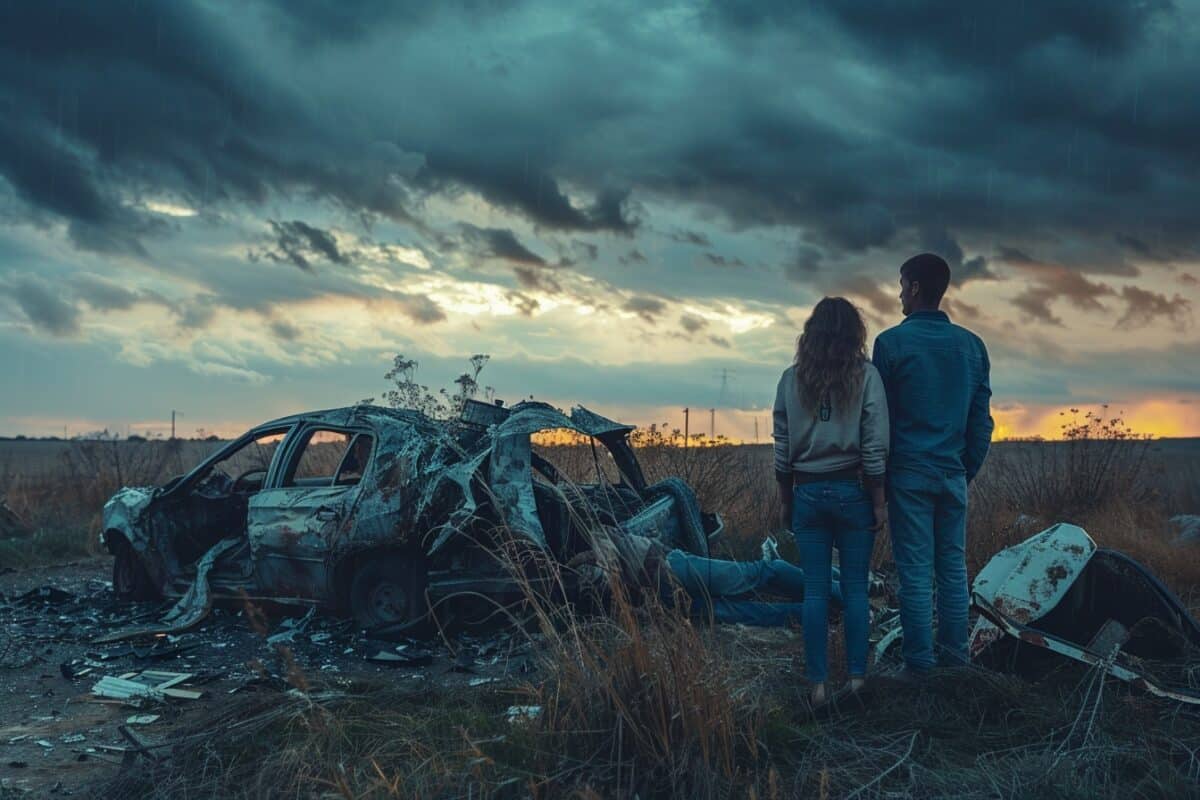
{"x": 785, "y": 505}
{"x": 881, "y": 517}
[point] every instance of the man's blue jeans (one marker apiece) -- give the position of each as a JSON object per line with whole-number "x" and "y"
{"x": 721, "y": 588}
{"x": 928, "y": 517}
{"x": 823, "y": 513}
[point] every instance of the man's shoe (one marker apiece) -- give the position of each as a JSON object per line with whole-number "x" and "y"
{"x": 770, "y": 549}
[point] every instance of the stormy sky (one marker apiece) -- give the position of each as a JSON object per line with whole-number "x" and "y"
{"x": 244, "y": 209}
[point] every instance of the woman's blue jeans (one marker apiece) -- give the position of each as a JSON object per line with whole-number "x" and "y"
{"x": 825, "y": 513}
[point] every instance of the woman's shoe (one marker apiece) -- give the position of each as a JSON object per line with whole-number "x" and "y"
{"x": 856, "y": 684}
{"x": 819, "y": 696}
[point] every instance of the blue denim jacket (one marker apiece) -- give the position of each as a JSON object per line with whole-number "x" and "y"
{"x": 936, "y": 377}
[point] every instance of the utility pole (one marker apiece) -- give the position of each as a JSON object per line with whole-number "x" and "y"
{"x": 756, "y": 430}
{"x": 685, "y": 428}
{"x": 712, "y": 423}
{"x": 173, "y": 412}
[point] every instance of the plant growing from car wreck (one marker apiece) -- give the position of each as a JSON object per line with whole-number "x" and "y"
{"x": 440, "y": 405}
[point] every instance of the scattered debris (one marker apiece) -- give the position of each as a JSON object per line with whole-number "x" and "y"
{"x": 150, "y": 684}
{"x": 523, "y": 713}
{"x": 44, "y": 595}
{"x": 1186, "y": 528}
{"x": 290, "y": 627}
{"x": 141, "y": 719}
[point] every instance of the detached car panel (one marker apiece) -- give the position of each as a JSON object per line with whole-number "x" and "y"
{"x": 1059, "y": 595}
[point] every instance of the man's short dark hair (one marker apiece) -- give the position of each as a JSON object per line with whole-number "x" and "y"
{"x": 930, "y": 271}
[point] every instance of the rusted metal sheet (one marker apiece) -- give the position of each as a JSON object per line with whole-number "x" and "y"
{"x": 1028, "y": 579}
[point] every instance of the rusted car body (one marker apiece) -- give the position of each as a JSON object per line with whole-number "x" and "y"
{"x": 1057, "y": 594}
{"x": 382, "y": 512}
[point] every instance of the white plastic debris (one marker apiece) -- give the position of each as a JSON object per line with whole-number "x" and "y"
{"x": 141, "y": 719}
{"x": 522, "y": 713}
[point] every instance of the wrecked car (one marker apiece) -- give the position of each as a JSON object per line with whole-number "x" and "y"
{"x": 383, "y": 513}
{"x": 1058, "y": 595}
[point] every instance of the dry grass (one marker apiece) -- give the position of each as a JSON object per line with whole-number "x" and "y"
{"x": 643, "y": 701}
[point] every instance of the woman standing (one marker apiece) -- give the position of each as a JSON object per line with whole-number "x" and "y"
{"x": 831, "y": 443}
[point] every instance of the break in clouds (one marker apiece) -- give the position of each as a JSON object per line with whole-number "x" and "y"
{"x": 273, "y": 196}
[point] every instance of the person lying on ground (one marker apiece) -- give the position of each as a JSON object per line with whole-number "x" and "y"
{"x": 720, "y": 589}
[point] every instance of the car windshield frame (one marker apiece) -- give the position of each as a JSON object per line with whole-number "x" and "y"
{"x": 204, "y": 467}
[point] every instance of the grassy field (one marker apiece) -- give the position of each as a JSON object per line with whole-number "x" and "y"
{"x": 647, "y": 703}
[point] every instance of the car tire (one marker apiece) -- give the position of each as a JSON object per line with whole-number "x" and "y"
{"x": 389, "y": 591}
{"x": 131, "y": 580}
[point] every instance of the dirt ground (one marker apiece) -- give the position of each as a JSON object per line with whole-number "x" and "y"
{"x": 56, "y": 737}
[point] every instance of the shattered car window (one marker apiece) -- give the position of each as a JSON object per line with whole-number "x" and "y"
{"x": 321, "y": 454}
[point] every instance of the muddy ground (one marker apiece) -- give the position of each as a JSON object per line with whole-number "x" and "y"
{"x": 56, "y": 737}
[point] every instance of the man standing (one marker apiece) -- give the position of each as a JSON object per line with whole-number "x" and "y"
{"x": 936, "y": 377}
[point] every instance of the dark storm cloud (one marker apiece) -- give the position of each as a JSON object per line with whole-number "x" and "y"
{"x": 1144, "y": 307}
{"x": 313, "y": 23}
{"x": 806, "y": 264}
{"x": 533, "y": 278}
{"x": 648, "y": 308}
{"x": 1059, "y": 283}
{"x": 691, "y": 237}
{"x": 962, "y": 270}
{"x": 634, "y": 256}
{"x": 721, "y": 261}
{"x": 282, "y": 329}
{"x": 99, "y": 100}
{"x": 1063, "y": 130}
{"x": 44, "y": 307}
{"x": 960, "y": 34}
{"x": 103, "y": 295}
{"x": 692, "y": 323}
{"x": 299, "y": 243}
{"x": 529, "y": 190}
{"x": 418, "y": 308}
{"x": 500, "y": 243}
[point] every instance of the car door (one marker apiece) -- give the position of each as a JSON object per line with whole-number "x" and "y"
{"x": 294, "y": 522}
{"x": 210, "y": 504}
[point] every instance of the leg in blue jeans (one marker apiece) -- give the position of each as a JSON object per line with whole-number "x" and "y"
{"x": 910, "y": 515}
{"x": 855, "y": 543}
{"x": 950, "y": 567}
{"x": 705, "y": 577}
{"x": 814, "y": 539}
{"x": 754, "y": 612}
{"x": 822, "y": 513}
{"x": 928, "y": 518}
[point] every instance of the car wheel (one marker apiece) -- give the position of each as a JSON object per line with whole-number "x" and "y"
{"x": 389, "y": 590}
{"x": 130, "y": 580}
